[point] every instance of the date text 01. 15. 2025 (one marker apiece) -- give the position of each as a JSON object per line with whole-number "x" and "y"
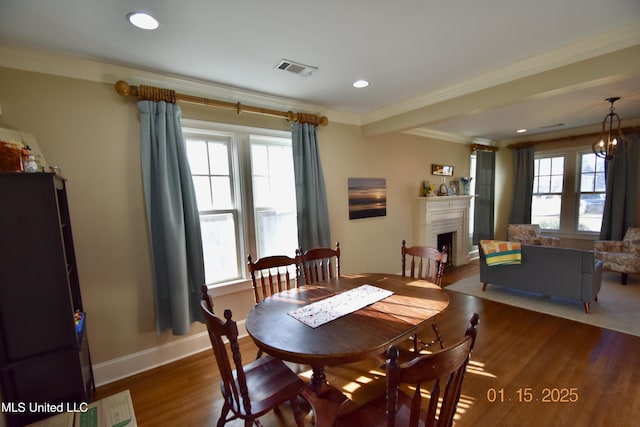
{"x": 531, "y": 394}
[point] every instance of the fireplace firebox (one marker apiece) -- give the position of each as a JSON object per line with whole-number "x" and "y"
{"x": 446, "y": 240}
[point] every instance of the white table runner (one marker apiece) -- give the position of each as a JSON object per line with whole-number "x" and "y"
{"x": 326, "y": 310}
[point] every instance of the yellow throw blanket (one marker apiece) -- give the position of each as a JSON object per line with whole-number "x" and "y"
{"x": 501, "y": 253}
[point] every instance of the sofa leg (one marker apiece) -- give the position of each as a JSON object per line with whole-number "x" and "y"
{"x": 623, "y": 278}
{"x": 587, "y": 308}
{"x": 484, "y": 286}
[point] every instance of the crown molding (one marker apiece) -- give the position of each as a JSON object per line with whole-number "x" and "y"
{"x": 441, "y": 136}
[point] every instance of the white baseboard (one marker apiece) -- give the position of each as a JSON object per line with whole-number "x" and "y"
{"x": 131, "y": 364}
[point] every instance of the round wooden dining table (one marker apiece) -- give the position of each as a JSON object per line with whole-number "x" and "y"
{"x": 364, "y": 333}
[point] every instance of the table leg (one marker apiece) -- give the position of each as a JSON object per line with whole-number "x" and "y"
{"x": 325, "y": 399}
{"x": 318, "y": 382}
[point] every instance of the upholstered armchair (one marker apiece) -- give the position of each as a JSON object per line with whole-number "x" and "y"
{"x": 621, "y": 256}
{"x": 529, "y": 234}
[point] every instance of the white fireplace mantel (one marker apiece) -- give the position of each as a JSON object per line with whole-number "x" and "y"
{"x": 445, "y": 214}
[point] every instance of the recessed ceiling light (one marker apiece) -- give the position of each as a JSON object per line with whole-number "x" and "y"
{"x": 521, "y": 130}
{"x": 360, "y": 84}
{"x": 143, "y": 20}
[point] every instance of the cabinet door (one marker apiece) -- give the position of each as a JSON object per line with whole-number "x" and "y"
{"x": 36, "y": 313}
{"x": 54, "y": 378}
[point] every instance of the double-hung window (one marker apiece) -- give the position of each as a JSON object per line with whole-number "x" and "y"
{"x": 592, "y": 192}
{"x": 274, "y": 203}
{"x": 244, "y": 183}
{"x": 569, "y": 189}
{"x": 548, "y": 185}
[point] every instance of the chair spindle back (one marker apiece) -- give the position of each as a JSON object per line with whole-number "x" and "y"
{"x": 425, "y": 263}
{"x": 273, "y": 274}
{"x": 320, "y": 264}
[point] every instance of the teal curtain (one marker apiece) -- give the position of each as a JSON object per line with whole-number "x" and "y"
{"x": 484, "y": 201}
{"x": 311, "y": 195}
{"x": 622, "y": 190}
{"x": 523, "y": 159}
{"x": 172, "y": 218}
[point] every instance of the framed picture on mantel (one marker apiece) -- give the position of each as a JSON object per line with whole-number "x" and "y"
{"x": 443, "y": 170}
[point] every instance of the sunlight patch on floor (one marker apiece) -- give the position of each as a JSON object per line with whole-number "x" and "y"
{"x": 464, "y": 404}
{"x": 350, "y": 386}
{"x": 477, "y": 368}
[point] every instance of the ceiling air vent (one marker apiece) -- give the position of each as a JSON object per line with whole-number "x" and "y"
{"x": 295, "y": 67}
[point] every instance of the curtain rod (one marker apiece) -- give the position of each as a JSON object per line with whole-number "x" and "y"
{"x": 626, "y": 130}
{"x": 482, "y": 147}
{"x": 151, "y": 93}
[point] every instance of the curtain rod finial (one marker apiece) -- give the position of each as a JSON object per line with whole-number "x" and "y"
{"x": 123, "y": 88}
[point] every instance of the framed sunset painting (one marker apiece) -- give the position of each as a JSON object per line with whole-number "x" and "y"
{"x": 367, "y": 197}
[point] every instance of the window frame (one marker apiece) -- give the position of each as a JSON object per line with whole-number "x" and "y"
{"x": 579, "y": 192}
{"x": 239, "y": 137}
{"x": 571, "y": 192}
{"x": 267, "y": 141}
{"x": 550, "y": 175}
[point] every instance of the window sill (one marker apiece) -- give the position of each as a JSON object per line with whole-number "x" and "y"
{"x": 576, "y": 235}
{"x": 229, "y": 288}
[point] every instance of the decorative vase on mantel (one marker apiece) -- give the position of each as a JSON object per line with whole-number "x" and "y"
{"x": 466, "y": 185}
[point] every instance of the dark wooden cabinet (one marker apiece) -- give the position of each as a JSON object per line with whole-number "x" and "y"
{"x": 44, "y": 351}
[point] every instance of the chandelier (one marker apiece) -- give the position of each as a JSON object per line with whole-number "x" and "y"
{"x": 611, "y": 142}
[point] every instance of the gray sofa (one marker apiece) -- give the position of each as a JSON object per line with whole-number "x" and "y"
{"x": 552, "y": 271}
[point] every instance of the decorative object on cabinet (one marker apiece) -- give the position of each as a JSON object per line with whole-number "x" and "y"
{"x": 441, "y": 170}
{"x": 443, "y": 190}
{"x": 13, "y": 156}
{"x": 46, "y": 358}
{"x": 367, "y": 197}
{"x": 28, "y": 141}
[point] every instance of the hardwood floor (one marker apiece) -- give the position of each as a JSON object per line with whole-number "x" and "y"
{"x": 528, "y": 369}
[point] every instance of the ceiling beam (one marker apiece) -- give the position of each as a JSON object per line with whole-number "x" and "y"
{"x": 622, "y": 62}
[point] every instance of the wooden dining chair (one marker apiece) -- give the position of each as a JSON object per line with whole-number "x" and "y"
{"x": 273, "y": 274}
{"x": 252, "y": 390}
{"x": 321, "y": 263}
{"x": 440, "y": 373}
{"x": 206, "y": 297}
{"x": 425, "y": 263}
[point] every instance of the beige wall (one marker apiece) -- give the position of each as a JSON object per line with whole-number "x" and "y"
{"x": 91, "y": 133}
{"x": 404, "y": 161}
